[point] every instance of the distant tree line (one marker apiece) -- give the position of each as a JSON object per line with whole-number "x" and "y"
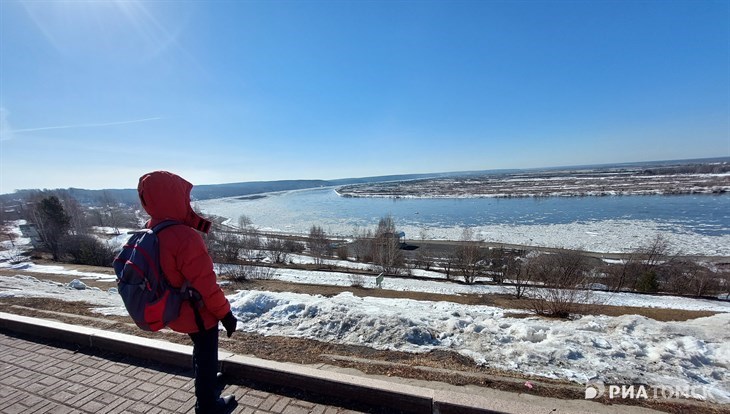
{"x": 712, "y": 168}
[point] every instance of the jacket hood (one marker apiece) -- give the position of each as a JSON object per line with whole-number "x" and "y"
{"x": 166, "y": 196}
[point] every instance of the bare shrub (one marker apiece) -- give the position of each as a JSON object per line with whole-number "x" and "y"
{"x": 6, "y": 233}
{"x": 686, "y": 277}
{"x": 564, "y": 278}
{"x": 357, "y": 280}
{"x": 242, "y": 273}
{"x": 226, "y": 247}
{"x": 275, "y": 250}
{"x": 498, "y": 259}
{"x": 294, "y": 246}
{"x": 423, "y": 258}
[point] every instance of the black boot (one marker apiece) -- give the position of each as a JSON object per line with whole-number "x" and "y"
{"x": 224, "y": 405}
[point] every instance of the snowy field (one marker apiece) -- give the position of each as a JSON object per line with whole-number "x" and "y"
{"x": 618, "y": 350}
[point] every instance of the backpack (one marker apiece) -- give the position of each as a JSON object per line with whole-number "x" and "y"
{"x": 149, "y": 298}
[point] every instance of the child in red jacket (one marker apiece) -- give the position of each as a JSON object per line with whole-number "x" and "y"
{"x": 184, "y": 258}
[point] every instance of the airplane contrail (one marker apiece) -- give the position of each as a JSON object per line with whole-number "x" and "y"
{"x": 134, "y": 121}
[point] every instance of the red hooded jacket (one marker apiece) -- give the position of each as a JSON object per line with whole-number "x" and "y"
{"x": 183, "y": 255}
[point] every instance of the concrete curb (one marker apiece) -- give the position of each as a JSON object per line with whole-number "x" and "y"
{"x": 401, "y": 397}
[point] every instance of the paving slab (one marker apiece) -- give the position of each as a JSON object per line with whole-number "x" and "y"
{"x": 47, "y": 376}
{"x": 49, "y": 366}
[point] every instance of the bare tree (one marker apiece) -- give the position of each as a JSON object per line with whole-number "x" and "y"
{"x": 318, "y": 244}
{"x": 640, "y": 269}
{"x": 469, "y": 257}
{"x": 361, "y": 246}
{"x": 706, "y": 282}
{"x": 250, "y": 238}
{"x": 520, "y": 272}
{"x": 244, "y": 222}
{"x": 650, "y": 257}
{"x": 3, "y": 215}
{"x": 5, "y": 232}
{"x": 385, "y": 249}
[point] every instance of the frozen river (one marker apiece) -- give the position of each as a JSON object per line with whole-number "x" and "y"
{"x": 694, "y": 224}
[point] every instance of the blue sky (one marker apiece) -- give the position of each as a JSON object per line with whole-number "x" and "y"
{"x": 94, "y": 94}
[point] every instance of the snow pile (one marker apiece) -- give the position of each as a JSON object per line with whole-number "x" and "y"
{"x": 58, "y": 270}
{"x": 29, "y": 286}
{"x": 77, "y": 284}
{"x": 625, "y": 350}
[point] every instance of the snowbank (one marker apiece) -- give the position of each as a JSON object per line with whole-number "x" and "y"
{"x": 625, "y": 350}
{"x": 29, "y": 286}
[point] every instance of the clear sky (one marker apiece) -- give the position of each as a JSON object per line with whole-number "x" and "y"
{"x": 95, "y": 93}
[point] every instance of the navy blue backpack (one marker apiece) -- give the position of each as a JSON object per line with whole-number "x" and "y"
{"x": 149, "y": 298}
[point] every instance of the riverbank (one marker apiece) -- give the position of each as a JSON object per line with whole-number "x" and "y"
{"x": 713, "y": 178}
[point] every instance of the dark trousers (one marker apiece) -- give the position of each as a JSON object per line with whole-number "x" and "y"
{"x": 205, "y": 364}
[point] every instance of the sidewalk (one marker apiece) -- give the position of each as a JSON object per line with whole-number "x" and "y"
{"x": 52, "y": 367}
{"x": 41, "y": 376}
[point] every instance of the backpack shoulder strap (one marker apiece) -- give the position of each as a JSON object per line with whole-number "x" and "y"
{"x": 163, "y": 225}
